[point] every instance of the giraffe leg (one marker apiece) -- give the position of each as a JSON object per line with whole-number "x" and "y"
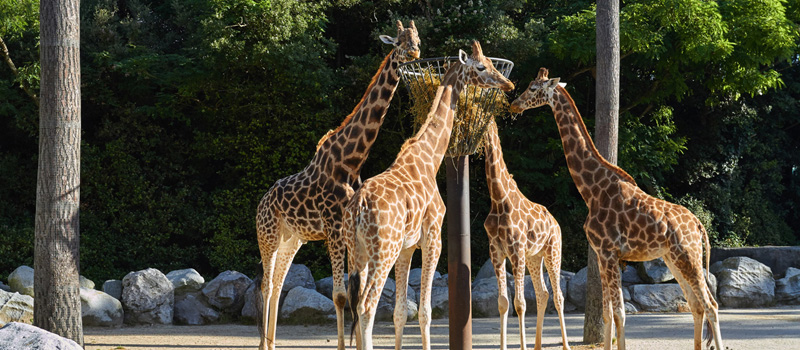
{"x": 613, "y": 309}
{"x": 499, "y": 263}
{"x": 374, "y": 283}
{"x": 535, "y": 266}
{"x": 702, "y": 304}
{"x": 401, "y": 298}
{"x": 552, "y": 262}
{"x": 431, "y": 243}
{"x": 336, "y": 250}
{"x": 283, "y": 262}
{"x": 269, "y": 232}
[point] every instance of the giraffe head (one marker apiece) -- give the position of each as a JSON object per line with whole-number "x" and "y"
{"x": 480, "y": 71}
{"x": 406, "y": 43}
{"x": 539, "y": 93}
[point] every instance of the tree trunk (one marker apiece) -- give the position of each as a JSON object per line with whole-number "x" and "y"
{"x": 606, "y": 129}
{"x": 57, "y": 306}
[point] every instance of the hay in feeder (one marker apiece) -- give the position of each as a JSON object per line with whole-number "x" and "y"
{"x": 476, "y": 106}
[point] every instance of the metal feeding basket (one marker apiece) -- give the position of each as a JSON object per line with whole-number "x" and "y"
{"x": 476, "y": 106}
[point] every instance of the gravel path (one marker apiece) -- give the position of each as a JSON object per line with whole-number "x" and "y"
{"x": 762, "y": 329}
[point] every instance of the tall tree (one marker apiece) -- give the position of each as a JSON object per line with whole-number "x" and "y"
{"x": 57, "y": 290}
{"x": 606, "y": 130}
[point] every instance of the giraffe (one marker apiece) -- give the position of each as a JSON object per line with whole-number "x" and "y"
{"x": 307, "y": 206}
{"x": 525, "y": 233}
{"x": 400, "y": 210}
{"x": 624, "y": 222}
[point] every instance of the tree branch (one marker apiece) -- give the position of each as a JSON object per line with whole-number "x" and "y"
{"x": 591, "y": 68}
{"x": 10, "y": 63}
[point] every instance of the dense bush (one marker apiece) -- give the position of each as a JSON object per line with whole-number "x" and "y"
{"x": 193, "y": 109}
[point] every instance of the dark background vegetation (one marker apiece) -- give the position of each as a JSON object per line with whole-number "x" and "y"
{"x": 193, "y": 109}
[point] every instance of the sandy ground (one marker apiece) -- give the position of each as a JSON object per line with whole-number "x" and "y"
{"x": 761, "y": 329}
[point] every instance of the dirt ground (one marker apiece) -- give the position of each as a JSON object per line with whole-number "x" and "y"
{"x": 763, "y": 329}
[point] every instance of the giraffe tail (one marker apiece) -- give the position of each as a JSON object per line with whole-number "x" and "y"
{"x": 259, "y": 306}
{"x": 353, "y": 286}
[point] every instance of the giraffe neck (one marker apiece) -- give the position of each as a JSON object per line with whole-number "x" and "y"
{"x": 589, "y": 170}
{"x": 430, "y": 143}
{"x": 498, "y": 178}
{"x": 342, "y": 151}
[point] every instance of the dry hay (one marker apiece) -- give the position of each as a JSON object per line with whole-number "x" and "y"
{"x": 476, "y": 106}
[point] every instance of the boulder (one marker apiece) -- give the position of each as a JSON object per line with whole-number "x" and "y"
{"x": 147, "y": 297}
{"x": 630, "y": 308}
{"x": 100, "y": 309}
{"x": 307, "y": 306}
{"x": 226, "y": 291}
{"x": 415, "y": 277}
{"x": 325, "y": 286}
{"x": 4, "y": 287}
{"x": 21, "y": 280}
{"x": 744, "y": 282}
{"x": 711, "y": 282}
{"x": 654, "y": 271}
{"x": 298, "y": 276}
{"x": 191, "y": 308}
{"x": 630, "y": 276}
{"x": 486, "y": 270}
{"x": 385, "y": 310}
{"x": 484, "y": 297}
{"x": 530, "y": 293}
{"x": 15, "y": 307}
{"x": 440, "y": 282}
{"x": 576, "y": 289}
{"x": 185, "y": 281}
{"x": 779, "y": 259}
{"x": 113, "y": 288}
{"x": 252, "y": 300}
{"x": 440, "y": 302}
{"x": 412, "y": 311}
{"x": 787, "y": 289}
{"x": 85, "y": 282}
{"x": 667, "y": 297}
{"x": 16, "y": 336}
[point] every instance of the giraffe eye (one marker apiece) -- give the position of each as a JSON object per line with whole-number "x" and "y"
{"x": 481, "y": 68}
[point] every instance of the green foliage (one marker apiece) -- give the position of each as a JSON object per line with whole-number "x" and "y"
{"x": 193, "y": 109}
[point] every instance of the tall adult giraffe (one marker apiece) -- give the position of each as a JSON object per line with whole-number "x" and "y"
{"x": 624, "y": 222}
{"x": 526, "y": 234}
{"x": 401, "y": 209}
{"x": 307, "y": 206}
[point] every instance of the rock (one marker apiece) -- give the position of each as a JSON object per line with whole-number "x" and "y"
{"x": 630, "y": 276}
{"x": 486, "y": 270}
{"x": 15, "y": 307}
{"x": 100, "y": 309}
{"x": 787, "y": 289}
{"x": 185, "y": 281}
{"x": 658, "y": 297}
{"x": 778, "y": 259}
{"x": 440, "y": 302}
{"x": 325, "y": 286}
{"x": 630, "y": 308}
{"x": 113, "y": 288}
{"x": 441, "y": 281}
{"x": 385, "y": 310}
{"x": 252, "y": 298}
{"x": 715, "y": 267}
{"x": 411, "y": 310}
{"x": 530, "y": 293}
{"x": 711, "y": 282}
{"x": 576, "y": 289}
{"x": 654, "y": 271}
{"x": 85, "y": 282}
{"x": 298, "y": 276}
{"x": 16, "y": 336}
{"x": 744, "y": 282}
{"x": 307, "y": 306}
{"x": 21, "y": 280}
{"x": 147, "y": 297}
{"x": 484, "y": 297}
{"x": 4, "y": 287}
{"x": 415, "y": 277}
{"x": 192, "y": 309}
{"x": 626, "y": 294}
{"x": 226, "y": 291}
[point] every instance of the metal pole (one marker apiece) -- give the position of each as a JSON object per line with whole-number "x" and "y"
{"x": 458, "y": 253}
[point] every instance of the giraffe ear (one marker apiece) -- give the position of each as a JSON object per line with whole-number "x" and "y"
{"x": 552, "y": 83}
{"x": 388, "y": 40}
{"x": 462, "y": 57}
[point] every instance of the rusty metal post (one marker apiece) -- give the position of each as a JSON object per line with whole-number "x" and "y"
{"x": 458, "y": 253}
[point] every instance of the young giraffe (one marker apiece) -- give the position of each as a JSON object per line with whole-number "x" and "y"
{"x": 624, "y": 222}
{"x": 524, "y": 232}
{"x": 401, "y": 209}
{"x": 307, "y": 206}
